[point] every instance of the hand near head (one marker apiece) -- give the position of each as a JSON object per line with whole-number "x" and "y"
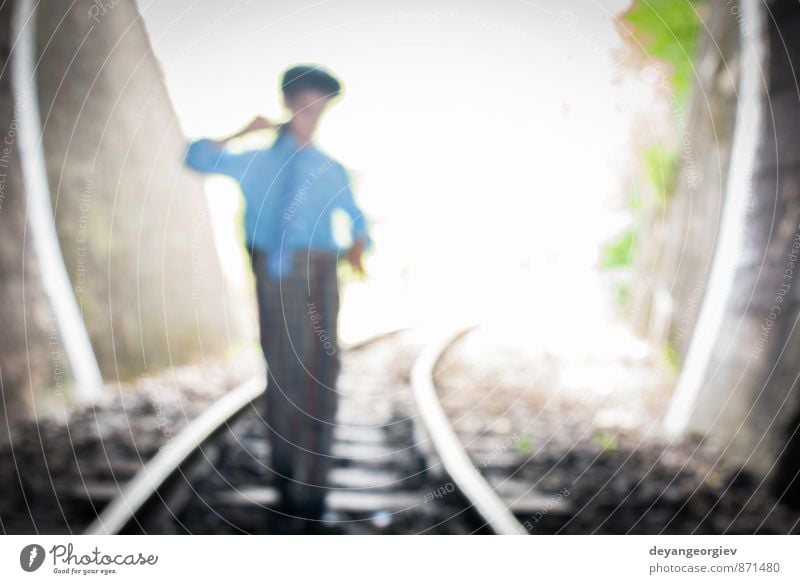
{"x": 256, "y": 124}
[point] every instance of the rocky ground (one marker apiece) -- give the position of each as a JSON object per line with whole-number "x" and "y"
{"x": 580, "y": 428}
{"x": 49, "y": 464}
{"x": 585, "y": 429}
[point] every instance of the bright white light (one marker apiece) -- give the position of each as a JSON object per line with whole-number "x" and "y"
{"x": 488, "y": 141}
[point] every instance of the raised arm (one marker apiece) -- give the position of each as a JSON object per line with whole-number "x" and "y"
{"x": 212, "y": 156}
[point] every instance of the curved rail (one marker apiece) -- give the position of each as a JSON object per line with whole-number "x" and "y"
{"x": 147, "y": 481}
{"x": 71, "y": 328}
{"x": 448, "y": 446}
{"x": 144, "y": 485}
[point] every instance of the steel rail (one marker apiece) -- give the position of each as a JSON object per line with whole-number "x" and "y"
{"x": 145, "y": 484}
{"x": 448, "y": 447}
{"x": 141, "y": 488}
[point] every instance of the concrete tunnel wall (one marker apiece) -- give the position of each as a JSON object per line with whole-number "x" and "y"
{"x": 738, "y": 386}
{"x": 133, "y": 223}
{"x": 115, "y": 151}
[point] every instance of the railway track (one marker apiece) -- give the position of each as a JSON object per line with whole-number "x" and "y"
{"x": 402, "y": 470}
{"x": 400, "y": 467}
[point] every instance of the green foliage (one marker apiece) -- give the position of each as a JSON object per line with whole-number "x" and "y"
{"x": 524, "y": 444}
{"x": 667, "y": 30}
{"x": 661, "y": 170}
{"x": 670, "y": 356}
{"x": 619, "y": 253}
{"x": 635, "y": 199}
{"x": 622, "y": 294}
{"x": 605, "y": 440}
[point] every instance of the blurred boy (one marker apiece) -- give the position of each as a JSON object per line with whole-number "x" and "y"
{"x": 291, "y": 190}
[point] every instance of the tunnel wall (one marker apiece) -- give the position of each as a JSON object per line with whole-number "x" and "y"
{"x": 133, "y": 223}
{"x": 775, "y": 232}
{"x": 676, "y": 248}
{"x": 745, "y": 400}
{"x": 26, "y": 322}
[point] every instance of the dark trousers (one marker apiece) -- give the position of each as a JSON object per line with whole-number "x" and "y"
{"x": 298, "y": 317}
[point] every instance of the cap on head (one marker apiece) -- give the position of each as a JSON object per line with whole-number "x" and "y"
{"x": 304, "y": 77}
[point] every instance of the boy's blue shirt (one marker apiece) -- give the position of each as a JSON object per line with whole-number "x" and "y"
{"x": 290, "y": 195}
